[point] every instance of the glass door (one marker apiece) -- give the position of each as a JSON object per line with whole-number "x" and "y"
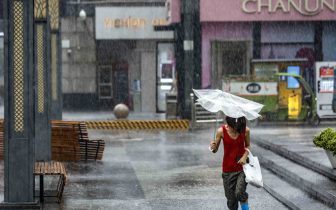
{"x": 165, "y": 74}
{"x": 121, "y": 83}
{"x": 105, "y": 82}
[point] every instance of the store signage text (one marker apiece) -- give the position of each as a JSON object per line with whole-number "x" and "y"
{"x": 131, "y": 22}
{"x": 329, "y": 72}
{"x": 253, "y": 88}
{"x": 301, "y": 6}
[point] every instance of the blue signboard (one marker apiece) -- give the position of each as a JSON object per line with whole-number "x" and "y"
{"x": 292, "y": 83}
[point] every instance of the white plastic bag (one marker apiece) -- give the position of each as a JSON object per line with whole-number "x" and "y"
{"x": 252, "y": 171}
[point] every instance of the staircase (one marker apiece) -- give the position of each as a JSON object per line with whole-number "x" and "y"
{"x": 295, "y": 171}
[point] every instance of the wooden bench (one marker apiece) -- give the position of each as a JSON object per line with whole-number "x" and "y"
{"x": 69, "y": 142}
{"x": 53, "y": 169}
{"x": 65, "y": 141}
{"x": 89, "y": 149}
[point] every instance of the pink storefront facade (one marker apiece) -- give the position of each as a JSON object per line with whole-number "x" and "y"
{"x": 238, "y": 30}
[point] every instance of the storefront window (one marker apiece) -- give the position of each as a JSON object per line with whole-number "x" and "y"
{"x": 292, "y": 83}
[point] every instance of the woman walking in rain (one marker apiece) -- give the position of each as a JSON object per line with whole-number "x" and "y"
{"x": 236, "y": 137}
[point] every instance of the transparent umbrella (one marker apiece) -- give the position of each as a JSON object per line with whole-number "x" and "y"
{"x": 231, "y": 105}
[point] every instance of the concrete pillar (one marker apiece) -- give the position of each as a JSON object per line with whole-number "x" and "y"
{"x": 56, "y": 61}
{"x": 19, "y": 101}
{"x": 318, "y": 48}
{"x": 42, "y": 82}
{"x": 256, "y": 40}
{"x": 189, "y": 36}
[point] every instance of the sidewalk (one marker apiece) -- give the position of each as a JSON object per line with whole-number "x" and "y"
{"x": 102, "y": 115}
{"x": 108, "y": 116}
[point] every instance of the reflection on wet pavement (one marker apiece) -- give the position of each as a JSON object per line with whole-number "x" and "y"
{"x": 165, "y": 170}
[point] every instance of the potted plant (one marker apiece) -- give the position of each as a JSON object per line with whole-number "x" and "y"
{"x": 327, "y": 140}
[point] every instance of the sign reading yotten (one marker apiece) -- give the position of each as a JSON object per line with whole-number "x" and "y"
{"x": 130, "y": 23}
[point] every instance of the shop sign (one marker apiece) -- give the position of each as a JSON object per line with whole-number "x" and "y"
{"x": 173, "y": 14}
{"x": 131, "y": 23}
{"x": 253, "y": 88}
{"x": 304, "y": 7}
{"x": 267, "y": 10}
{"x": 326, "y": 72}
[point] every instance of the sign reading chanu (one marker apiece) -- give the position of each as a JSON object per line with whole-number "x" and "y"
{"x": 267, "y": 10}
{"x": 304, "y": 7}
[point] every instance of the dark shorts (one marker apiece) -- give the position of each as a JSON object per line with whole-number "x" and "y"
{"x": 234, "y": 188}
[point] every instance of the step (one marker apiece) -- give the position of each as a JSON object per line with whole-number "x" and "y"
{"x": 314, "y": 159}
{"x": 317, "y": 185}
{"x": 285, "y": 192}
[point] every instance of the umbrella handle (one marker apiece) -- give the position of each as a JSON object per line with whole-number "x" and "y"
{"x": 215, "y": 131}
{"x": 216, "y": 127}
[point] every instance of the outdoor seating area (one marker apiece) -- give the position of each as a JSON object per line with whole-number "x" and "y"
{"x": 50, "y": 169}
{"x": 91, "y": 149}
{"x": 70, "y": 142}
{"x": 65, "y": 141}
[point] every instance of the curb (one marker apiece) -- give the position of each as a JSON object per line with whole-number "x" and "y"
{"x": 138, "y": 125}
{"x": 294, "y": 179}
{"x": 299, "y": 159}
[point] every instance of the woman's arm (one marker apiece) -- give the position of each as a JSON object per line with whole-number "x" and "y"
{"x": 215, "y": 145}
{"x": 242, "y": 160}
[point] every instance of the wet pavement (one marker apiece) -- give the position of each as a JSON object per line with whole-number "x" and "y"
{"x": 108, "y": 115}
{"x": 161, "y": 170}
{"x": 296, "y": 138}
{"x": 152, "y": 170}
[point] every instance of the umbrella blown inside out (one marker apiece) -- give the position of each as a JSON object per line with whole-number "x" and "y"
{"x": 231, "y": 105}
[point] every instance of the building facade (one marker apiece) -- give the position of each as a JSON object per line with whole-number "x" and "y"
{"x": 115, "y": 56}
{"x": 235, "y": 32}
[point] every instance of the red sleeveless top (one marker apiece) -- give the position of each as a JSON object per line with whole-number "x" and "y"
{"x": 232, "y": 149}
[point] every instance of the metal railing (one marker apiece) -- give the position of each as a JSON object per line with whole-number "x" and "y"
{"x": 201, "y": 116}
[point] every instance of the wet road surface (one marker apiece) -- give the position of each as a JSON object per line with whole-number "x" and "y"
{"x": 160, "y": 170}
{"x": 153, "y": 170}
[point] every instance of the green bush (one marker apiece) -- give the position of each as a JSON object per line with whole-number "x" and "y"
{"x": 327, "y": 140}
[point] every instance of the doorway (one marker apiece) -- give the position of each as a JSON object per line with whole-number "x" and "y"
{"x": 229, "y": 57}
{"x": 165, "y": 74}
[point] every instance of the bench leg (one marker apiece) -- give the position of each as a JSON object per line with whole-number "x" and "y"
{"x": 59, "y": 191}
{"x": 41, "y": 189}
{"x": 97, "y": 150}
{"x": 86, "y": 151}
{"x": 59, "y": 184}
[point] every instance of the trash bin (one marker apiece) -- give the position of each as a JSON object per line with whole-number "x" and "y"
{"x": 171, "y": 105}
